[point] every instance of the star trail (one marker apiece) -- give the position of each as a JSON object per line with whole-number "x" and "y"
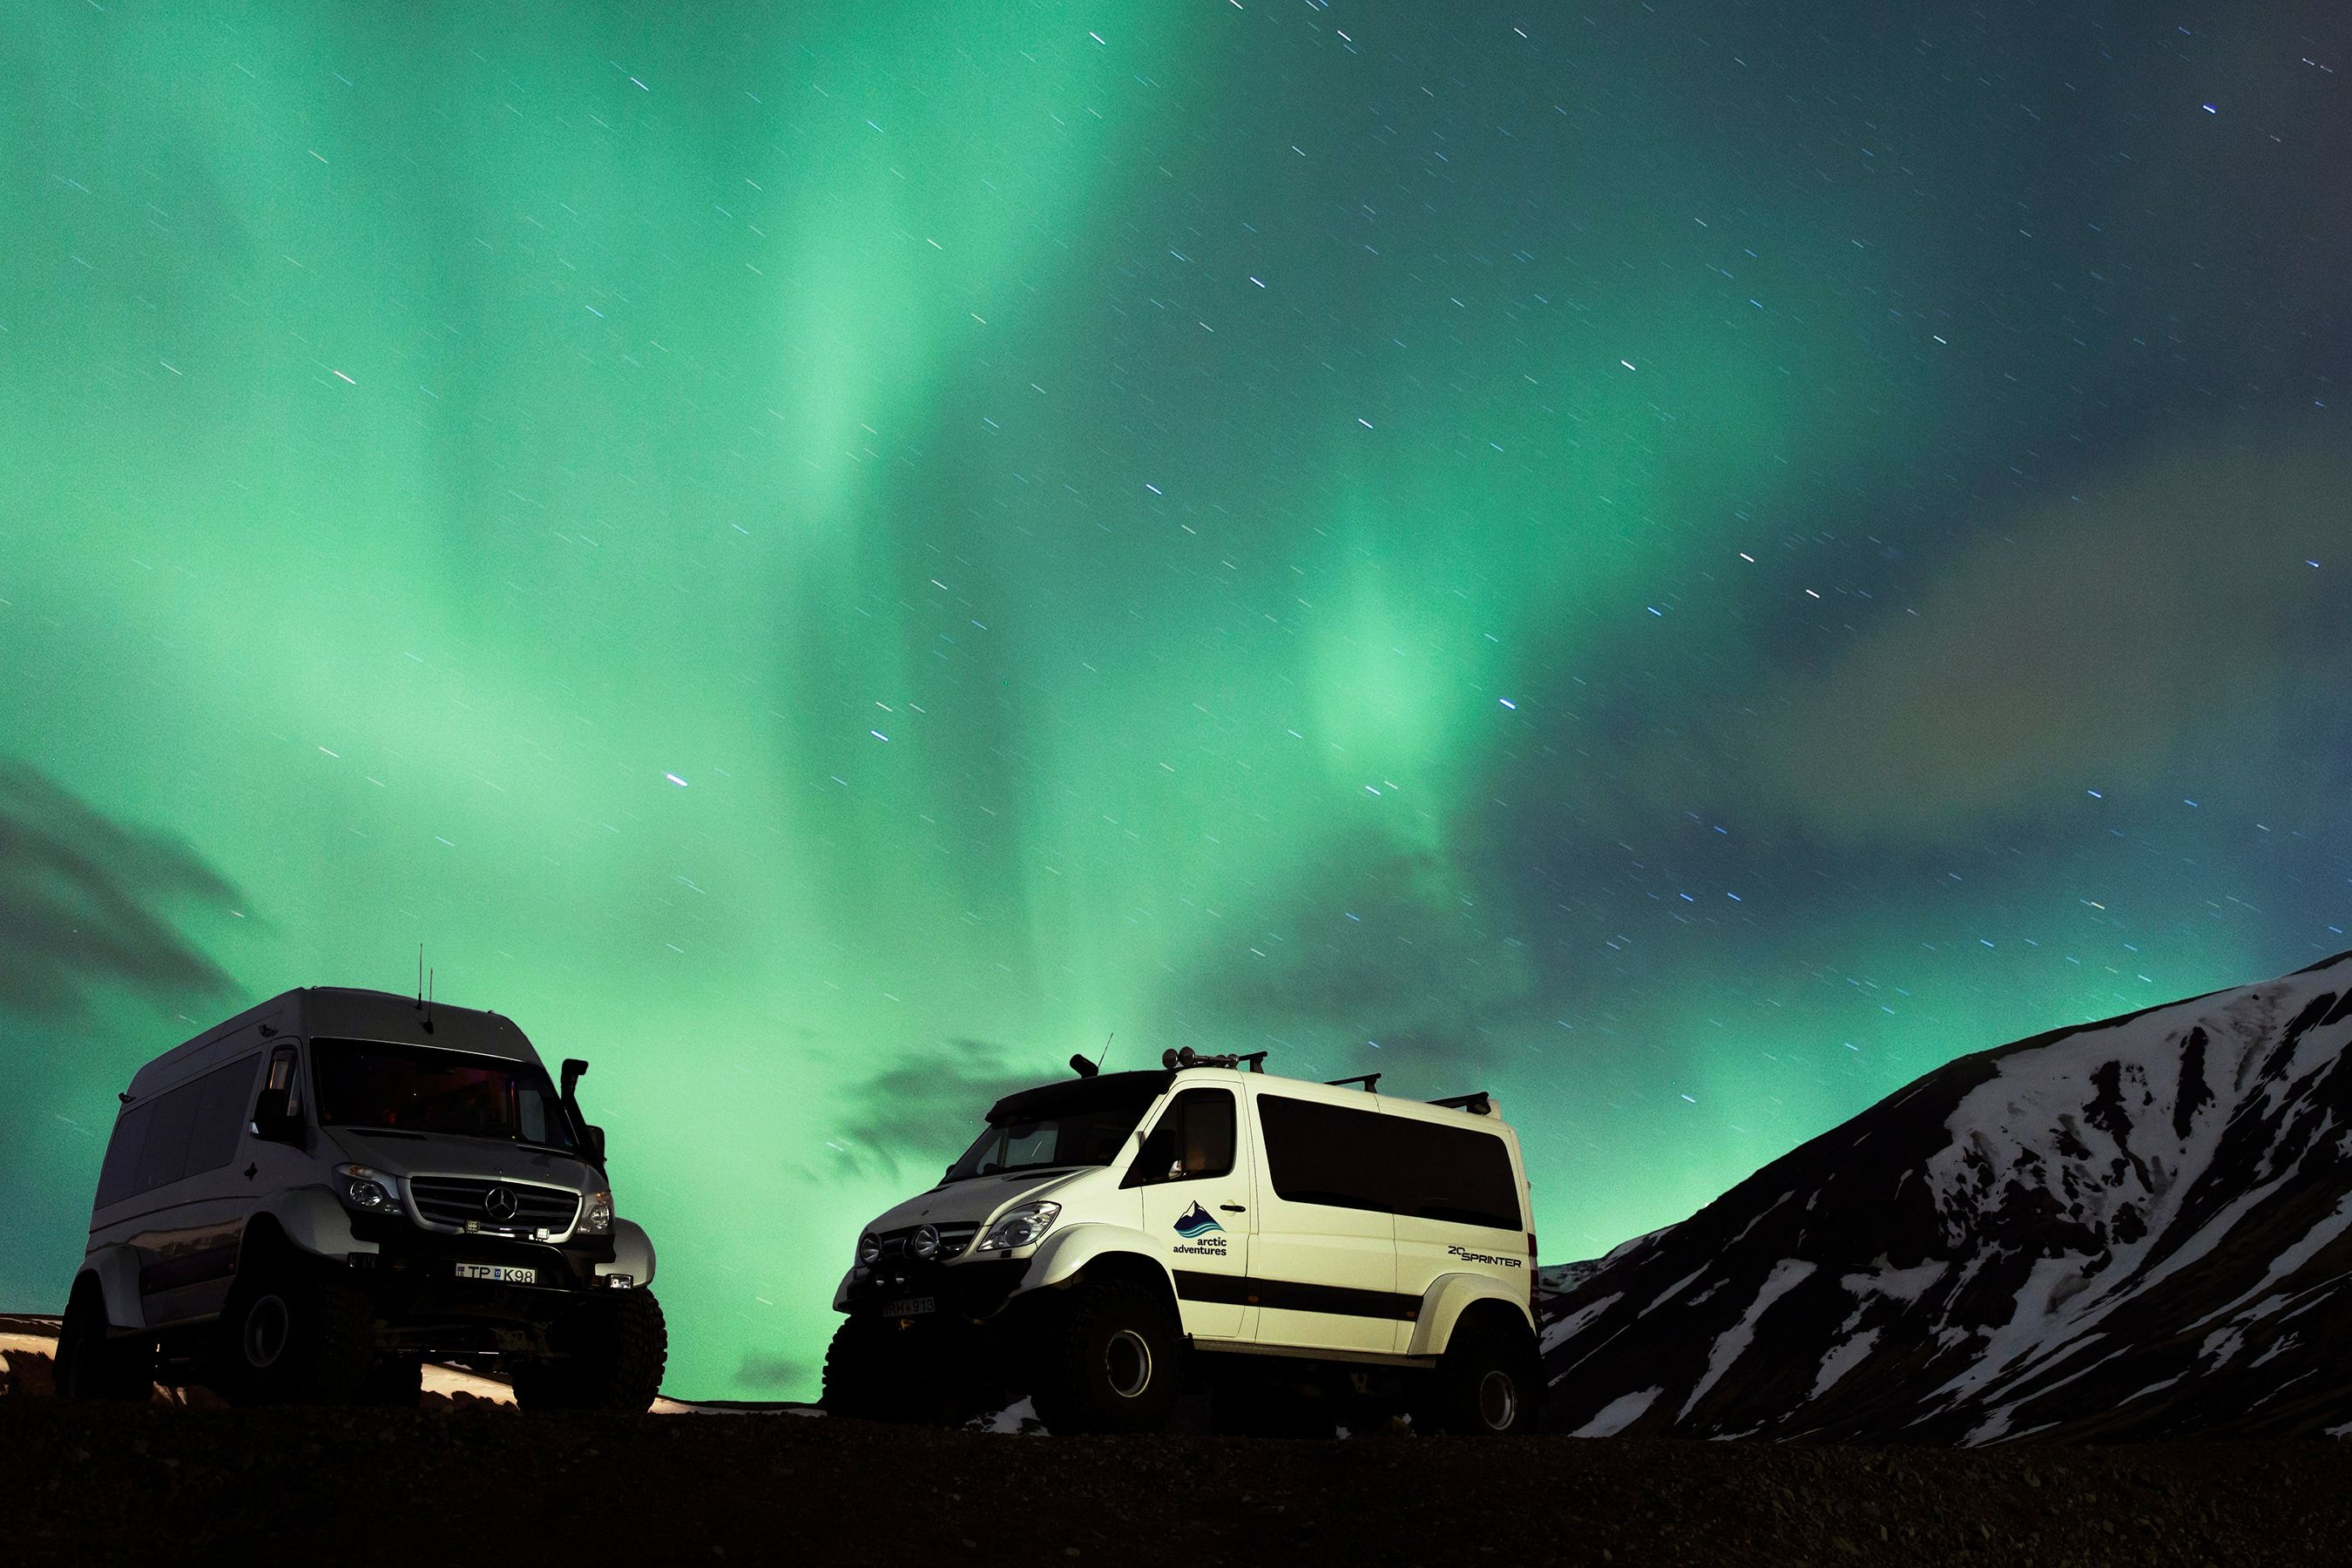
{"x": 1682, "y": 565}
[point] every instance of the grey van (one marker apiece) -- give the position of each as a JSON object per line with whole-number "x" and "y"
{"x": 308, "y": 1202}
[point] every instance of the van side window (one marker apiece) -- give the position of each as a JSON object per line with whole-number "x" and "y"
{"x": 1193, "y": 1138}
{"x": 118, "y": 1178}
{"x": 191, "y": 1129}
{"x": 1328, "y": 1154}
{"x": 1457, "y": 1175}
{"x": 1332, "y": 1154}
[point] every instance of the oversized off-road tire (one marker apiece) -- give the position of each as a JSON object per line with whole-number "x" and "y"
{"x": 1110, "y": 1359}
{"x": 394, "y": 1383}
{"x": 868, "y": 1375}
{"x": 1487, "y": 1381}
{"x": 92, "y": 1363}
{"x": 617, "y": 1348}
{"x": 291, "y": 1334}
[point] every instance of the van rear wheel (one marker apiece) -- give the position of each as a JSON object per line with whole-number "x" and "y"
{"x": 1110, "y": 1360}
{"x": 1486, "y": 1382}
{"x": 92, "y": 1362}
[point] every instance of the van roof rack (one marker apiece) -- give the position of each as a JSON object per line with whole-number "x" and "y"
{"x": 1370, "y": 1080}
{"x": 1478, "y": 1104}
{"x": 1188, "y": 1058}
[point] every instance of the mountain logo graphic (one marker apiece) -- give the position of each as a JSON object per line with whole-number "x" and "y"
{"x": 1195, "y": 1221}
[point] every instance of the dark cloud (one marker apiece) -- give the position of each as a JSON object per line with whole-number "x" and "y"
{"x": 1376, "y": 940}
{"x": 2175, "y": 615}
{"x": 927, "y": 1109}
{"x": 2167, "y": 620}
{"x": 83, "y": 901}
{"x": 760, "y": 1370}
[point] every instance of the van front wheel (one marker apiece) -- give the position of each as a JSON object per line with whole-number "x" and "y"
{"x": 619, "y": 1345}
{"x": 1110, "y": 1359}
{"x": 291, "y": 1335}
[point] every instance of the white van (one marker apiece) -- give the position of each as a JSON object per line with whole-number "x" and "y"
{"x": 1109, "y": 1240}
{"x": 308, "y": 1201}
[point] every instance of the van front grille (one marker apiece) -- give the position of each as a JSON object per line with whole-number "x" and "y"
{"x": 954, "y": 1240}
{"x": 515, "y": 1207}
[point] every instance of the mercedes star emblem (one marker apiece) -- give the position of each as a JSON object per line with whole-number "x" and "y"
{"x": 501, "y": 1204}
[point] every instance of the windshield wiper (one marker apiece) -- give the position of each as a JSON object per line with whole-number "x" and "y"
{"x": 483, "y": 1137}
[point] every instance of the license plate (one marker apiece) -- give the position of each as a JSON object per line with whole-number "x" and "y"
{"x": 498, "y": 1273}
{"x": 912, "y": 1307}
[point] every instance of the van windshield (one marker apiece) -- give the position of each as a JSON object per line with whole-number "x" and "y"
{"x": 1083, "y": 1122}
{"x": 420, "y": 1088}
{"x": 1082, "y": 1138}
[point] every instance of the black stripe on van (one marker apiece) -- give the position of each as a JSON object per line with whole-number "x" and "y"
{"x": 1291, "y": 1295}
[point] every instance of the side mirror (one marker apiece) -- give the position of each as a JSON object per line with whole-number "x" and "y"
{"x": 596, "y": 1144}
{"x": 277, "y": 1126}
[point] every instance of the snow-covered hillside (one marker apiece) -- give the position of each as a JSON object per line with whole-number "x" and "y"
{"x": 2133, "y": 1228}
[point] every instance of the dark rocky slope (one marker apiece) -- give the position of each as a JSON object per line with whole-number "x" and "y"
{"x": 2138, "y": 1228}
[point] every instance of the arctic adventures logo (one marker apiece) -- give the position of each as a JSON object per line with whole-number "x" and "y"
{"x": 1194, "y": 1223}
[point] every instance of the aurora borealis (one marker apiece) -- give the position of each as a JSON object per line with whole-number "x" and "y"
{"x": 1683, "y": 564}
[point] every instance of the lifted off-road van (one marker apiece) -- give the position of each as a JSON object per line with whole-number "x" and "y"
{"x": 1294, "y": 1247}
{"x": 308, "y": 1202}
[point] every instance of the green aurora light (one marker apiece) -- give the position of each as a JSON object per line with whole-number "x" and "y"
{"x": 826, "y": 559}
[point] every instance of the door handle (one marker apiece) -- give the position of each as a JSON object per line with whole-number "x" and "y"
{"x": 1234, "y": 1208}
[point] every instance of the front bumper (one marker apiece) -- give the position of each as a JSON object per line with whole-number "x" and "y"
{"x": 412, "y": 1279}
{"x": 970, "y": 1290}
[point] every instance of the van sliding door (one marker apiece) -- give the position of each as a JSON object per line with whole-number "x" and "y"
{"x": 1323, "y": 1257}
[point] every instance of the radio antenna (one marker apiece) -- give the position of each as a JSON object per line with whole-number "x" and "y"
{"x": 420, "y": 977}
{"x": 1106, "y": 1050}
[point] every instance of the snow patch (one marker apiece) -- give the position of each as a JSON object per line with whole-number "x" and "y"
{"x": 1842, "y": 1359}
{"x": 1786, "y": 1275}
{"x": 1576, "y": 1322}
{"x": 1015, "y": 1418}
{"x": 1903, "y": 1285}
{"x": 1618, "y": 1413}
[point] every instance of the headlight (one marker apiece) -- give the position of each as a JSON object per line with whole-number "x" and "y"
{"x": 370, "y": 1190}
{"x": 1020, "y": 1226}
{"x": 868, "y": 1249}
{"x": 596, "y": 1215}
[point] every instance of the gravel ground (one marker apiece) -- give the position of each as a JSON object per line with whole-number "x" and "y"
{"x": 466, "y": 1482}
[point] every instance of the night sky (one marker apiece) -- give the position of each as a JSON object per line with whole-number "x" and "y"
{"x": 1682, "y": 564}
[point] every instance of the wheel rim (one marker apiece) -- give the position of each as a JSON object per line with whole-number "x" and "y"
{"x": 1498, "y": 1401}
{"x": 268, "y": 1327}
{"x": 1127, "y": 1363}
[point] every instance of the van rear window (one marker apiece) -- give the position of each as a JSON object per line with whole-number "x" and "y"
{"x": 1336, "y": 1155}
